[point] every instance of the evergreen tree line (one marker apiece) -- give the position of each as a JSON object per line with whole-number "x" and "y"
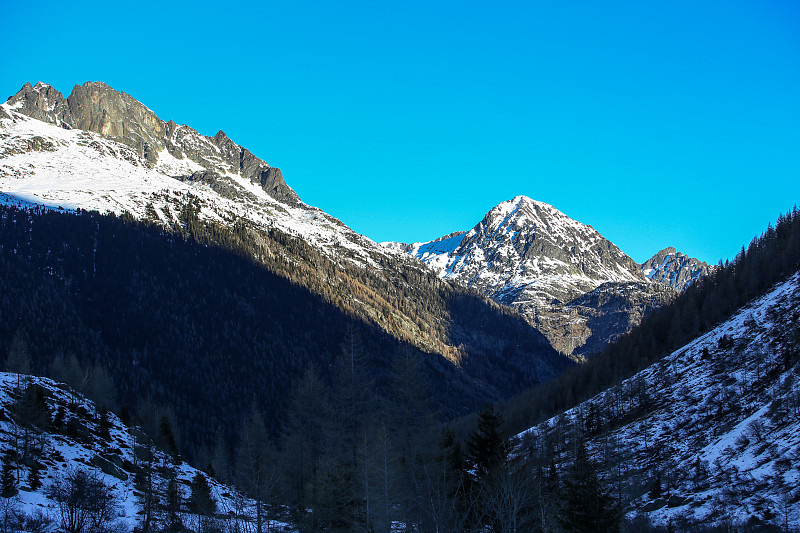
{"x": 349, "y": 460}
{"x": 769, "y": 258}
{"x": 160, "y": 322}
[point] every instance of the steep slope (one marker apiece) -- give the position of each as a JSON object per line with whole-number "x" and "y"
{"x": 166, "y": 146}
{"x": 207, "y": 331}
{"x": 675, "y": 269}
{"x": 711, "y": 433}
{"x": 531, "y": 256}
{"x": 129, "y": 162}
{"x": 50, "y": 436}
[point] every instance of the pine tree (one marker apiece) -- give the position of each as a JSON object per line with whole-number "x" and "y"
{"x": 486, "y": 447}
{"x": 255, "y": 471}
{"x": 587, "y": 505}
{"x": 309, "y": 416}
{"x": 8, "y": 480}
{"x": 201, "y": 501}
{"x": 166, "y": 438}
{"x": 172, "y": 502}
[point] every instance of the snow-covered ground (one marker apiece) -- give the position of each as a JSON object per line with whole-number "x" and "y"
{"x": 711, "y": 433}
{"x": 57, "y": 451}
{"x": 715, "y": 425}
{"x": 43, "y": 164}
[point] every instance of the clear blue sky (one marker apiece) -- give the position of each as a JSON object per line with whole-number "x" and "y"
{"x": 659, "y": 123}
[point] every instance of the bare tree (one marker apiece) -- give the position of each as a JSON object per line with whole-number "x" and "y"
{"x": 84, "y": 502}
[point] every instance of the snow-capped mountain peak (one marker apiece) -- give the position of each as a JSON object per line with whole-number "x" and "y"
{"x": 528, "y": 254}
{"x": 529, "y": 250}
{"x": 102, "y": 150}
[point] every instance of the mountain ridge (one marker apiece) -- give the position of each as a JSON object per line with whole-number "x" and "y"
{"x": 96, "y": 107}
{"x": 531, "y": 256}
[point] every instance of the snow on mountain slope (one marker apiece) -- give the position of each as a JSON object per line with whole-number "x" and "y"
{"x": 524, "y": 250}
{"x": 41, "y": 163}
{"x": 533, "y": 257}
{"x": 71, "y": 438}
{"x": 675, "y": 269}
{"x": 709, "y": 434}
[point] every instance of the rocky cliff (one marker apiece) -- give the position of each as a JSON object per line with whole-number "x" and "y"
{"x": 178, "y": 149}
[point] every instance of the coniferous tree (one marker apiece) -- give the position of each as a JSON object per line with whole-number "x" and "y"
{"x": 172, "y": 502}
{"x": 201, "y": 501}
{"x": 255, "y": 465}
{"x": 487, "y": 447}
{"x": 8, "y": 479}
{"x": 587, "y": 505}
{"x": 309, "y": 417}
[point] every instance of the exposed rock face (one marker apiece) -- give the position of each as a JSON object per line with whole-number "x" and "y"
{"x": 613, "y": 309}
{"x": 98, "y": 108}
{"x": 569, "y": 281}
{"x": 675, "y": 269}
{"x": 42, "y": 102}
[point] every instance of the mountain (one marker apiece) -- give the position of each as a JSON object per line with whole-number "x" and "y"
{"x": 569, "y": 281}
{"x": 710, "y": 434}
{"x": 165, "y": 146}
{"x": 675, "y": 269}
{"x": 151, "y": 227}
{"x": 524, "y": 250}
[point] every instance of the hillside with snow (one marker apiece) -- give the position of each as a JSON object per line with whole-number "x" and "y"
{"x": 710, "y": 434}
{"x": 44, "y": 163}
{"x": 58, "y": 446}
{"x": 675, "y": 269}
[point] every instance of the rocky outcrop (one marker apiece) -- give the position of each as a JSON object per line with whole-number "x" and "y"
{"x": 98, "y": 108}
{"x": 42, "y": 102}
{"x": 675, "y": 269}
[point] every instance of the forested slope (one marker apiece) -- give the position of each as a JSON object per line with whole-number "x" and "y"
{"x": 200, "y": 330}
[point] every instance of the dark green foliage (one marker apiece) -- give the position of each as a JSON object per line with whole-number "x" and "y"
{"x": 587, "y": 504}
{"x": 35, "y": 476}
{"x": 172, "y": 504}
{"x": 8, "y": 479}
{"x": 103, "y": 425}
{"x": 201, "y": 318}
{"x": 125, "y": 416}
{"x": 19, "y": 359}
{"x": 31, "y": 409}
{"x": 487, "y": 447}
{"x": 201, "y": 501}
{"x": 166, "y": 437}
{"x": 255, "y": 466}
{"x": 58, "y": 419}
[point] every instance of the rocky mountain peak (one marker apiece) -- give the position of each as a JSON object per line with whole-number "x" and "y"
{"x": 96, "y": 107}
{"x": 531, "y": 256}
{"x": 181, "y": 150}
{"x": 675, "y": 269}
{"x": 534, "y": 247}
{"x": 42, "y": 102}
